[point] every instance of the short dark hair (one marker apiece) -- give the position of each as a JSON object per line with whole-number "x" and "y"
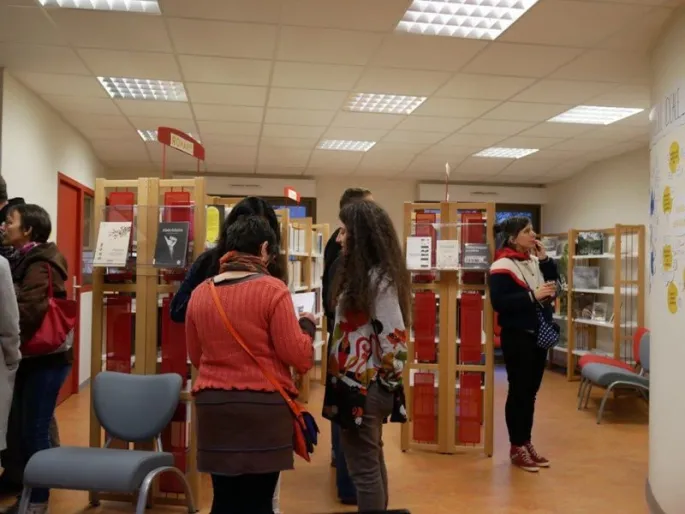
{"x": 3, "y": 190}
{"x": 248, "y": 233}
{"x": 353, "y": 193}
{"x": 35, "y": 218}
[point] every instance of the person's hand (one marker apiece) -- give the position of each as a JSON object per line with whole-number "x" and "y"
{"x": 309, "y": 316}
{"x": 540, "y": 251}
{"x": 546, "y": 290}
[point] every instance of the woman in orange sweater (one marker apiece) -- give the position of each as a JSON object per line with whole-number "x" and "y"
{"x": 245, "y": 428}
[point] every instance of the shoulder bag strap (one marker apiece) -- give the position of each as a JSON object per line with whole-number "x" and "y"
{"x": 527, "y": 283}
{"x": 50, "y": 290}
{"x": 215, "y": 296}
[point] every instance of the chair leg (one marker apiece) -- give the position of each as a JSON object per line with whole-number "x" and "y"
{"x": 590, "y": 385}
{"x": 600, "y": 412}
{"x": 144, "y": 490}
{"x": 581, "y": 391}
{"x": 94, "y": 500}
{"x": 24, "y": 500}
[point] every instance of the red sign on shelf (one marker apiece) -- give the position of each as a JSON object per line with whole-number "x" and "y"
{"x": 289, "y": 192}
{"x": 181, "y": 142}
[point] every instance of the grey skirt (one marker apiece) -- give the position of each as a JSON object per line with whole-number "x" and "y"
{"x": 243, "y": 432}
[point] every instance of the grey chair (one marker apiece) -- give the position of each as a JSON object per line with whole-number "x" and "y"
{"x": 611, "y": 377}
{"x": 132, "y": 408}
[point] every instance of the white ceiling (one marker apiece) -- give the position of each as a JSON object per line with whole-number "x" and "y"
{"x": 266, "y": 80}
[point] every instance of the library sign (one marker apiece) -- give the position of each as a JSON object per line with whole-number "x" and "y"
{"x": 668, "y": 114}
{"x": 180, "y": 141}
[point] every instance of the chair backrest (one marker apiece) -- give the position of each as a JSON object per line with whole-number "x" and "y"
{"x": 135, "y": 408}
{"x": 644, "y": 351}
{"x": 637, "y": 339}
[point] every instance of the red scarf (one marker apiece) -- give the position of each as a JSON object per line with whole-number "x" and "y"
{"x": 509, "y": 253}
{"x": 236, "y": 261}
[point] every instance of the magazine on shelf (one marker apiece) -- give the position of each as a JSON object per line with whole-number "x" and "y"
{"x": 112, "y": 247}
{"x": 586, "y": 277}
{"x": 590, "y": 243}
{"x": 171, "y": 250}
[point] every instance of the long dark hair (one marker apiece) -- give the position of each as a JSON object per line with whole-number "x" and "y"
{"x": 509, "y": 229}
{"x": 372, "y": 256}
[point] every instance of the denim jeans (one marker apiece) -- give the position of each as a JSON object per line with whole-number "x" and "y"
{"x": 346, "y": 489}
{"x": 39, "y": 399}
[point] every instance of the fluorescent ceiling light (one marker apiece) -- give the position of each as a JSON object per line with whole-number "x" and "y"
{"x": 388, "y": 104}
{"x": 473, "y": 19}
{"x": 594, "y": 115}
{"x": 139, "y": 6}
{"x": 505, "y": 153}
{"x": 144, "y": 89}
{"x": 151, "y": 136}
{"x": 346, "y": 146}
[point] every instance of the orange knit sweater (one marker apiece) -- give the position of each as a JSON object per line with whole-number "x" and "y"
{"x": 262, "y": 313}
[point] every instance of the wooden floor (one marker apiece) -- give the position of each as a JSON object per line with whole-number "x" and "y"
{"x": 595, "y": 469}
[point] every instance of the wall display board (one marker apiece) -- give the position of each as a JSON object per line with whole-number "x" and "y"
{"x": 449, "y": 376}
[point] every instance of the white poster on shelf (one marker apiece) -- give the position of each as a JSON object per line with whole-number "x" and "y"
{"x": 303, "y": 302}
{"x": 447, "y": 254}
{"x": 111, "y": 249}
{"x": 419, "y": 253}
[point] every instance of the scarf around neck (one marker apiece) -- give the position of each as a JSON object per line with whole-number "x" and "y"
{"x": 509, "y": 253}
{"x": 236, "y": 261}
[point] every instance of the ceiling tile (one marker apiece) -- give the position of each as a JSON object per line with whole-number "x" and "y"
{"x": 316, "y": 76}
{"x": 229, "y": 128}
{"x": 151, "y": 108}
{"x": 485, "y": 87}
{"x": 528, "y": 168}
{"x": 289, "y": 142}
{"x": 335, "y": 159}
{"x": 257, "y": 11}
{"x": 328, "y": 46}
{"x": 556, "y": 130}
{"x": 306, "y": 99}
{"x": 152, "y": 123}
{"x": 292, "y": 131}
{"x": 379, "y": 15}
{"x": 354, "y": 134}
{"x": 228, "y": 139}
{"x": 433, "y": 164}
{"x": 147, "y": 65}
{"x": 227, "y": 169}
{"x": 451, "y": 153}
{"x": 520, "y": 111}
{"x": 27, "y": 25}
{"x": 624, "y": 96}
{"x": 608, "y": 66}
{"x": 530, "y": 142}
{"x": 401, "y": 50}
{"x": 521, "y": 60}
{"x": 222, "y": 70}
{"x": 366, "y": 120}
{"x": 432, "y": 124}
{"x": 571, "y": 23}
{"x": 476, "y": 166}
{"x": 641, "y": 35}
{"x": 112, "y": 30}
{"x": 580, "y": 144}
{"x": 455, "y": 108}
{"x": 226, "y": 95}
{"x": 505, "y": 128}
{"x": 402, "y": 82}
{"x": 223, "y": 39}
{"x": 298, "y": 117}
{"x": 550, "y": 154}
{"x": 235, "y": 155}
{"x": 563, "y": 91}
{"x": 503, "y": 178}
{"x": 385, "y": 160}
{"x": 472, "y": 140}
{"x": 412, "y": 136}
{"x": 121, "y": 134}
{"x": 83, "y": 104}
{"x": 327, "y": 172}
{"x": 278, "y": 170}
{"x": 41, "y": 59}
{"x": 113, "y": 151}
{"x": 85, "y": 122}
{"x": 389, "y": 147}
{"x": 208, "y": 112}
{"x": 131, "y": 138}
{"x": 283, "y": 157}
{"x": 368, "y": 172}
{"x": 63, "y": 85}
{"x": 615, "y": 132}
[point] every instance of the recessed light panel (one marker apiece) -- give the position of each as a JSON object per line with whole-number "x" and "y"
{"x": 473, "y": 19}
{"x": 151, "y": 136}
{"x": 594, "y": 115}
{"x": 140, "y": 6}
{"x": 505, "y": 153}
{"x": 346, "y": 146}
{"x": 144, "y": 89}
{"x": 388, "y": 104}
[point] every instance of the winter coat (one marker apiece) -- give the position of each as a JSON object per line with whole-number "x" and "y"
{"x": 9, "y": 344}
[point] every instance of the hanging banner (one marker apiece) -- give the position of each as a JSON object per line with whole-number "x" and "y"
{"x": 180, "y": 141}
{"x": 289, "y": 192}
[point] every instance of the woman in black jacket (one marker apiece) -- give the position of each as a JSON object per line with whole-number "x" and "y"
{"x": 522, "y": 280}
{"x": 207, "y": 264}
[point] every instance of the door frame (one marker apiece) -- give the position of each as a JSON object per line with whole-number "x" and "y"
{"x": 82, "y": 191}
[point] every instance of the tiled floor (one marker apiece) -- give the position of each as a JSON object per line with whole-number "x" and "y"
{"x": 595, "y": 469}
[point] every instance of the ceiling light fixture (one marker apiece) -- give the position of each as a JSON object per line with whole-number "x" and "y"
{"x": 346, "y": 146}
{"x": 472, "y": 19}
{"x": 506, "y": 153}
{"x": 382, "y": 103}
{"x": 594, "y": 115}
{"x": 138, "y": 6}
{"x": 144, "y": 89}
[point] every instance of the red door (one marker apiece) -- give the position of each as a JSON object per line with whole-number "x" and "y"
{"x": 70, "y": 223}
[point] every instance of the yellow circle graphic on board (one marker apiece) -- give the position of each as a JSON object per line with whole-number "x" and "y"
{"x": 667, "y": 200}
{"x": 668, "y": 258}
{"x": 672, "y": 297}
{"x": 674, "y": 156}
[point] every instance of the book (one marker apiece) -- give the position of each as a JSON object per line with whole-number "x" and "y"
{"x": 476, "y": 256}
{"x": 171, "y": 250}
{"x": 112, "y": 247}
{"x": 586, "y": 277}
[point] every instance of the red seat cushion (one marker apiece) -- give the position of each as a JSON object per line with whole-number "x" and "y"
{"x": 601, "y": 359}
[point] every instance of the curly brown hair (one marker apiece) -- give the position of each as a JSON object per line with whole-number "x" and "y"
{"x": 371, "y": 245}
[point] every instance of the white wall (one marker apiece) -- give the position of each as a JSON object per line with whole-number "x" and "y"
{"x": 37, "y": 144}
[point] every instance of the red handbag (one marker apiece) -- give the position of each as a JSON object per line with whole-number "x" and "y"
{"x": 56, "y": 332}
{"x": 305, "y": 429}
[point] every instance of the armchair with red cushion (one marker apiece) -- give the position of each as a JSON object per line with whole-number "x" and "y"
{"x": 602, "y": 359}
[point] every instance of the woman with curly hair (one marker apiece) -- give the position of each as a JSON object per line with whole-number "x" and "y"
{"x": 369, "y": 351}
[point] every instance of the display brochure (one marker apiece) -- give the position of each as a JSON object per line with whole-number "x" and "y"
{"x": 586, "y": 277}
{"x": 550, "y": 244}
{"x": 476, "y": 256}
{"x": 447, "y": 257}
{"x": 114, "y": 240}
{"x": 599, "y": 311}
{"x": 419, "y": 253}
{"x": 303, "y": 302}
{"x": 171, "y": 250}
{"x": 590, "y": 243}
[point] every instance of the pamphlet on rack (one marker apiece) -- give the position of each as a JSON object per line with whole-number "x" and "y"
{"x": 419, "y": 253}
{"x": 171, "y": 250}
{"x": 304, "y": 302}
{"x": 447, "y": 257}
{"x": 114, "y": 239}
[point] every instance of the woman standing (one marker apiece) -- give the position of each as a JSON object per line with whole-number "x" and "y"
{"x": 369, "y": 350}
{"x": 40, "y": 267}
{"x": 245, "y": 428}
{"x": 522, "y": 280}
